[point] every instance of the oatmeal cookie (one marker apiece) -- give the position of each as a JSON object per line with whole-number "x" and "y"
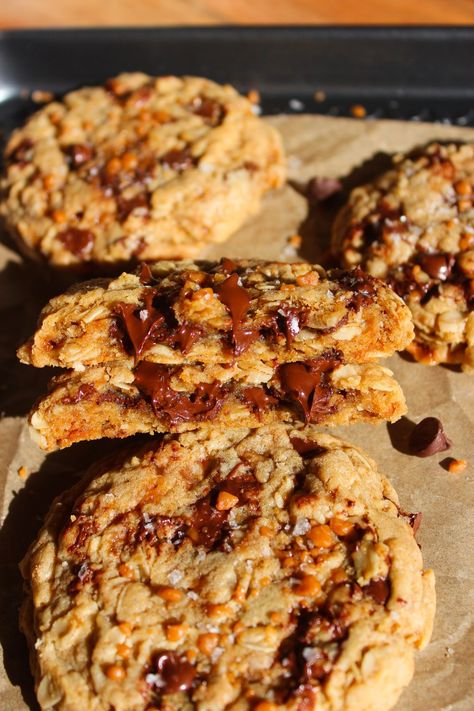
{"x": 117, "y": 401}
{"x": 253, "y": 311}
{"x": 414, "y": 227}
{"x": 140, "y": 168}
{"x": 241, "y": 570}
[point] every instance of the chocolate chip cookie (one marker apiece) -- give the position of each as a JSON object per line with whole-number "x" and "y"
{"x": 414, "y": 227}
{"x": 140, "y": 168}
{"x": 255, "y": 570}
{"x": 117, "y": 401}
{"x": 246, "y": 311}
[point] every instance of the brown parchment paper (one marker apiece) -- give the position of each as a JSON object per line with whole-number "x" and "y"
{"x": 354, "y": 150}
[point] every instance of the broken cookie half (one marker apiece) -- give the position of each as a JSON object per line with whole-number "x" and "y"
{"x": 184, "y": 345}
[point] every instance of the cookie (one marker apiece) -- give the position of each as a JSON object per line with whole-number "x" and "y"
{"x": 140, "y": 168}
{"x": 241, "y": 570}
{"x": 414, "y": 227}
{"x": 116, "y": 401}
{"x": 249, "y": 310}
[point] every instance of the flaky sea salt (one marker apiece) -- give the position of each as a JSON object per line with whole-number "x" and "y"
{"x": 302, "y": 525}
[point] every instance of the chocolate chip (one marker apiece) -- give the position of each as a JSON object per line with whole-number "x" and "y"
{"x": 22, "y": 152}
{"x": 145, "y": 275}
{"x": 290, "y": 321}
{"x": 153, "y": 380}
{"x": 175, "y": 672}
{"x": 126, "y": 206}
{"x": 178, "y": 160}
{"x": 437, "y": 266}
{"x": 258, "y": 399}
{"x": 357, "y": 281}
{"x": 428, "y": 437}
{"x": 308, "y": 384}
{"x": 378, "y": 589}
{"x": 208, "y": 523}
{"x": 78, "y": 242}
{"x": 414, "y": 519}
{"x": 307, "y": 450}
{"x": 320, "y": 189}
{"x": 237, "y": 300}
{"x": 79, "y": 154}
{"x": 209, "y": 109}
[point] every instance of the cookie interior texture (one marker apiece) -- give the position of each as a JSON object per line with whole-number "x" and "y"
{"x": 236, "y": 342}
{"x": 208, "y": 312}
{"x": 216, "y": 570}
{"x": 140, "y": 168}
{"x": 414, "y": 227}
{"x": 115, "y": 401}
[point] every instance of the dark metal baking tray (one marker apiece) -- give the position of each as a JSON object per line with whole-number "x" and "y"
{"x": 417, "y": 73}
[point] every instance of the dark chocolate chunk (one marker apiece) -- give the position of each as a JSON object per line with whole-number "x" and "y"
{"x": 145, "y": 275}
{"x": 258, "y": 399}
{"x": 308, "y": 384}
{"x": 414, "y": 519}
{"x": 186, "y": 336}
{"x": 437, "y": 266}
{"x": 237, "y": 300}
{"x": 78, "y": 242}
{"x": 79, "y": 154}
{"x": 22, "y": 153}
{"x": 84, "y": 392}
{"x": 141, "y": 323}
{"x": 153, "y": 380}
{"x": 356, "y": 280}
{"x": 306, "y": 449}
{"x": 126, "y": 206}
{"x": 178, "y": 160}
{"x": 209, "y": 109}
{"x": 428, "y": 437}
{"x": 175, "y": 672}
{"x": 290, "y": 321}
{"x": 321, "y": 189}
{"x": 378, "y": 589}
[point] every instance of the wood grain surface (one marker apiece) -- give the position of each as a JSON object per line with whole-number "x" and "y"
{"x": 60, "y": 13}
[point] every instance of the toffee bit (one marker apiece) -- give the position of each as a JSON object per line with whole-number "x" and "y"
{"x": 455, "y": 466}
{"x": 358, "y": 111}
{"x": 22, "y": 472}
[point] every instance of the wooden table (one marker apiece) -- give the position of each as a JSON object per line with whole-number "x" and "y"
{"x": 57, "y": 13}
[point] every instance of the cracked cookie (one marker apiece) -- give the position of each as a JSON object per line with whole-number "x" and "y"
{"x": 242, "y": 570}
{"x": 414, "y": 227}
{"x": 140, "y": 168}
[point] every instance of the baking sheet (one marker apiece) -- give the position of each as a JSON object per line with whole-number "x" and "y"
{"x": 316, "y": 146}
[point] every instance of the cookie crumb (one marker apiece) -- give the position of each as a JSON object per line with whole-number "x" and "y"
{"x": 295, "y": 241}
{"x": 254, "y": 96}
{"x": 42, "y": 97}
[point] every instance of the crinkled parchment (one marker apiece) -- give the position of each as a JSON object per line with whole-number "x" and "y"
{"x": 317, "y": 146}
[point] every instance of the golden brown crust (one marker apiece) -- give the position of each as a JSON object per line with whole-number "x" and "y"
{"x": 308, "y": 585}
{"x": 141, "y": 168}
